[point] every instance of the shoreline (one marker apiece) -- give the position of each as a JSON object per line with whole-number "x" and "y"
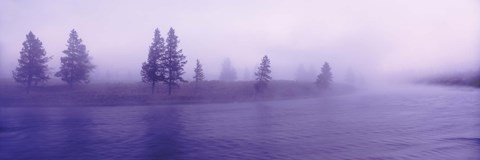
{"x": 132, "y": 94}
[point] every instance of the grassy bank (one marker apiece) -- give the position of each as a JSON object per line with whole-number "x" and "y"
{"x": 119, "y": 94}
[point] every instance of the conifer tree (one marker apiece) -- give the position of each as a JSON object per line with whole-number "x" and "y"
{"x": 173, "y": 60}
{"x": 324, "y": 79}
{"x": 75, "y": 65}
{"x": 153, "y": 71}
{"x": 199, "y": 76}
{"x": 263, "y": 74}
{"x": 228, "y": 72}
{"x": 32, "y": 66}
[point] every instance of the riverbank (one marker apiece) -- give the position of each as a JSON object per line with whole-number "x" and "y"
{"x": 406, "y": 122}
{"x": 459, "y": 79}
{"x": 120, "y": 94}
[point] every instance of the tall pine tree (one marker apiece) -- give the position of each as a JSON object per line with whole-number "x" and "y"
{"x": 75, "y": 65}
{"x": 32, "y": 65}
{"x": 153, "y": 71}
{"x": 199, "y": 76}
{"x": 324, "y": 79}
{"x": 173, "y": 61}
{"x": 263, "y": 74}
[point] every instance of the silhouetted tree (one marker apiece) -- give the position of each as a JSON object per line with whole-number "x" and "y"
{"x": 173, "y": 61}
{"x": 228, "y": 72}
{"x": 324, "y": 79}
{"x": 153, "y": 71}
{"x": 263, "y": 74}
{"x": 75, "y": 65}
{"x": 32, "y": 65}
{"x": 199, "y": 76}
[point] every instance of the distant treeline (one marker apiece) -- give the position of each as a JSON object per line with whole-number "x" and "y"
{"x": 164, "y": 65}
{"x": 464, "y": 79}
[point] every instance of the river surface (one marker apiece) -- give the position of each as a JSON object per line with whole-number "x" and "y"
{"x": 408, "y": 123}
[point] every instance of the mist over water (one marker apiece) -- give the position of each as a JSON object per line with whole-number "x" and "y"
{"x": 2, "y": 65}
{"x": 338, "y": 89}
{"x": 378, "y": 39}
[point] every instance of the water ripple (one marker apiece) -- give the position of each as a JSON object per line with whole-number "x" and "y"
{"x": 441, "y": 124}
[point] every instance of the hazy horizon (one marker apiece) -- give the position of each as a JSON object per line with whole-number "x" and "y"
{"x": 374, "y": 38}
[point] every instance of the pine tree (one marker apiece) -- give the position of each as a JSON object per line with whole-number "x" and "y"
{"x": 173, "y": 61}
{"x": 228, "y": 72}
{"x": 263, "y": 74}
{"x": 324, "y": 79}
{"x": 199, "y": 76}
{"x": 32, "y": 65}
{"x": 75, "y": 65}
{"x": 300, "y": 74}
{"x": 153, "y": 71}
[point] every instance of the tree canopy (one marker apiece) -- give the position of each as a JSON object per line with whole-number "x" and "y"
{"x": 199, "y": 76}
{"x": 153, "y": 71}
{"x": 75, "y": 65}
{"x": 32, "y": 65}
{"x": 263, "y": 74}
{"x": 324, "y": 79}
{"x": 173, "y": 61}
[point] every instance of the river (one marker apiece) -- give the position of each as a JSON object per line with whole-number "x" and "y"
{"x": 421, "y": 122}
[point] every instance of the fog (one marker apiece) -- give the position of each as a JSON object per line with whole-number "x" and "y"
{"x": 374, "y": 38}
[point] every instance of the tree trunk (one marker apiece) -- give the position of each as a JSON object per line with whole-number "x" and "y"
{"x": 153, "y": 88}
{"x": 170, "y": 89}
{"x": 29, "y": 83}
{"x": 170, "y": 80}
{"x": 28, "y": 86}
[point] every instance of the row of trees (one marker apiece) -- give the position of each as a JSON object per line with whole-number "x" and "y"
{"x": 164, "y": 65}
{"x": 33, "y": 69}
{"x": 324, "y": 79}
{"x": 165, "y": 62}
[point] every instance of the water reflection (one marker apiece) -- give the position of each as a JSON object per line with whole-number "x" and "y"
{"x": 75, "y": 136}
{"x": 440, "y": 124}
{"x": 163, "y": 132}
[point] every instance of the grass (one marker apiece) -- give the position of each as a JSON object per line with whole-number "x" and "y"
{"x": 120, "y": 94}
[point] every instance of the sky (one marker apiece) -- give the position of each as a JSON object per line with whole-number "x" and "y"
{"x": 374, "y": 38}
